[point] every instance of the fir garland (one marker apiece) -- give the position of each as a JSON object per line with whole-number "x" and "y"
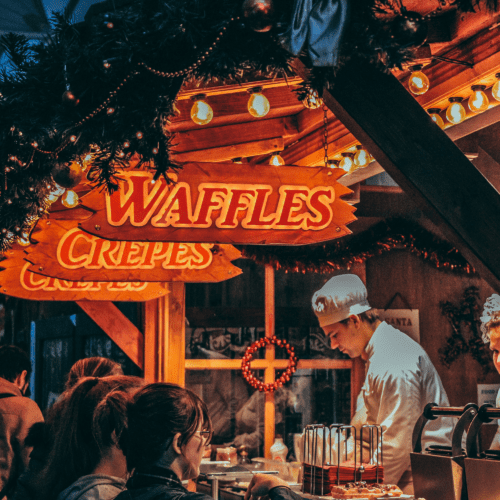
{"x": 384, "y": 237}
{"x": 465, "y": 316}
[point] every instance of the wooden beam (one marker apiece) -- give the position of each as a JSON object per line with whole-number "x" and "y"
{"x": 422, "y": 160}
{"x": 149, "y": 327}
{"x": 269, "y": 373}
{"x": 118, "y": 328}
{"x": 225, "y": 153}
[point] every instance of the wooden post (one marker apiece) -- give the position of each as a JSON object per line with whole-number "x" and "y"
{"x": 164, "y": 334}
{"x": 269, "y": 410}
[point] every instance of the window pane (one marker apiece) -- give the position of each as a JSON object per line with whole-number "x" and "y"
{"x": 236, "y": 409}
{"x": 312, "y": 397}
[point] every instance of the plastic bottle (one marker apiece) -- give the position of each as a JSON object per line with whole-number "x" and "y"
{"x": 279, "y": 450}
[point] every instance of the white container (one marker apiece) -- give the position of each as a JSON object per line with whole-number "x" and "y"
{"x": 279, "y": 450}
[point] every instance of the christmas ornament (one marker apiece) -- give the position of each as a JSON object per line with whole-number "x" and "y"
{"x": 285, "y": 377}
{"x": 69, "y": 99}
{"x": 409, "y": 29}
{"x": 259, "y": 14}
{"x": 67, "y": 175}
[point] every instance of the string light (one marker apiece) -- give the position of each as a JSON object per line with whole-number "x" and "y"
{"x": 24, "y": 240}
{"x": 495, "y": 90}
{"x": 201, "y": 112}
{"x": 435, "y": 116}
{"x": 258, "y": 104}
{"x": 361, "y": 157}
{"x": 312, "y": 99}
{"x": 418, "y": 83}
{"x": 70, "y": 199}
{"x": 347, "y": 162}
{"x": 126, "y": 144}
{"x": 478, "y": 102}
{"x": 155, "y": 151}
{"x": 72, "y": 138}
{"x": 276, "y": 160}
{"x": 455, "y": 113}
{"x": 110, "y": 111}
{"x": 139, "y": 135}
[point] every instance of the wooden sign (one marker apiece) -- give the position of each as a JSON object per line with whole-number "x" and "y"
{"x": 17, "y": 281}
{"x": 224, "y": 203}
{"x": 63, "y": 250}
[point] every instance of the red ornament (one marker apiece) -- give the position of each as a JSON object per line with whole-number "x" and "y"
{"x": 285, "y": 377}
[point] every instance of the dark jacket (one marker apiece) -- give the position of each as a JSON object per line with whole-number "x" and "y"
{"x": 17, "y": 415}
{"x": 157, "y": 483}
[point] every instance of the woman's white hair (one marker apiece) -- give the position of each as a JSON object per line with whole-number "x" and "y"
{"x": 491, "y": 316}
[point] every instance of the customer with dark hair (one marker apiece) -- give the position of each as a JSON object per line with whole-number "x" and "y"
{"x": 17, "y": 415}
{"x": 168, "y": 431}
{"x": 92, "y": 367}
{"x": 86, "y": 461}
{"x": 41, "y": 436}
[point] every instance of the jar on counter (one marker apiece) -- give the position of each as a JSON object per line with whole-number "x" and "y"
{"x": 279, "y": 450}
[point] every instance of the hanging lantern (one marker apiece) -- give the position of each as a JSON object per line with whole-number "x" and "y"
{"x": 258, "y": 104}
{"x": 418, "y": 83}
{"x": 435, "y": 116}
{"x": 201, "y": 112}
{"x": 361, "y": 157}
{"x": 333, "y": 163}
{"x": 455, "y": 113}
{"x": 478, "y": 101}
{"x": 69, "y": 199}
{"x": 312, "y": 100}
{"x": 67, "y": 175}
{"x": 276, "y": 160}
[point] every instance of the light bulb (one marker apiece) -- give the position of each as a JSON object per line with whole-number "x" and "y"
{"x": 312, "y": 99}
{"x": 418, "y": 83}
{"x": 347, "y": 162}
{"x": 455, "y": 112}
{"x": 276, "y": 160}
{"x": 362, "y": 157}
{"x": 333, "y": 164}
{"x": 201, "y": 112}
{"x": 258, "y": 105}
{"x": 69, "y": 199}
{"x": 478, "y": 101}
{"x": 237, "y": 160}
{"x": 24, "y": 240}
{"x": 435, "y": 117}
{"x": 495, "y": 90}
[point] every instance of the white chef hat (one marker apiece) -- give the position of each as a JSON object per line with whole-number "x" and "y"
{"x": 340, "y": 297}
{"x": 491, "y": 315}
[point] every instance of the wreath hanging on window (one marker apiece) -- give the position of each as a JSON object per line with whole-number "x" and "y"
{"x": 285, "y": 376}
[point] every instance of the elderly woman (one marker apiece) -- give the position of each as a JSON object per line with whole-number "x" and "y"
{"x": 490, "y": 327}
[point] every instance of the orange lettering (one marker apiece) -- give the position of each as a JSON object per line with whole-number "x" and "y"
{"x": 202, "y": 255}
{"x": 29, "y": 280}
{"x": 176, "y": 211}
{"x": 129, "y": 251}
{"x": 206, "y": 205}
{"x": 66, "y": 246}
{"x": 320, "y": 204}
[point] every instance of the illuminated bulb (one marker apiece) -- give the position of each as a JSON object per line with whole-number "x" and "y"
{"x": 12, "y": 158}
{"x": 312, "y": 100}
{"x": 478, "y": 101}
{"x": 126, "y": 144}
{"x": 276, "y": 160}
{"x": 362, "y": 157}
{"x": 52, "y": 198}
{"x": 72, "y": 138}
{"x": 139, "y": 135}
{"x": 455, "y": 113}
{"x": 88, "y": 157}
{"x": 34, "y": 144}
{"x": 121, "y": 154}
{"x": 9, "y": 201}
{"x": 24, "y": 240}
{"x": 110, "y": 111}
{"x": 201, "y": 112}
{"x": 258, "y": 105}
{"x": 333, "y": 164}
{"x": 495, "y": 90}
{"x": 8, "y": 169}
{"x": 155, "y": 151}
{"x": 70, "y": 199}
{"x": 347, "y": 162}
{"x": 435, "y": 117}
{"x": 418, "y": 83}
{"x": 106, "y": 64}
{"x": 59, "y": 190}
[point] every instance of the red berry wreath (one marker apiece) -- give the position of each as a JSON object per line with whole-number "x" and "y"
{"x": 285, "y": 377}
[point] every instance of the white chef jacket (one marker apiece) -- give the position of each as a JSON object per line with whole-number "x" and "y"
{"x": 400, "y": 381}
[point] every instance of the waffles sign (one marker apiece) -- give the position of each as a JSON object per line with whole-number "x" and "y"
{"x": 224, "y": 203}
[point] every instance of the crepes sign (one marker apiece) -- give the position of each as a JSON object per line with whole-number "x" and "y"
{"x": 224, "y": 203}
{"x": 63, "y": 250}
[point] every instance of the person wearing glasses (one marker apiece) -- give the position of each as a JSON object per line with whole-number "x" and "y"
{"x": 167, "y": 432}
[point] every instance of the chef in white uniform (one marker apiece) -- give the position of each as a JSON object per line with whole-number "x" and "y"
{"x": 490, "y": 327}
{"x": 400, "y": 377}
